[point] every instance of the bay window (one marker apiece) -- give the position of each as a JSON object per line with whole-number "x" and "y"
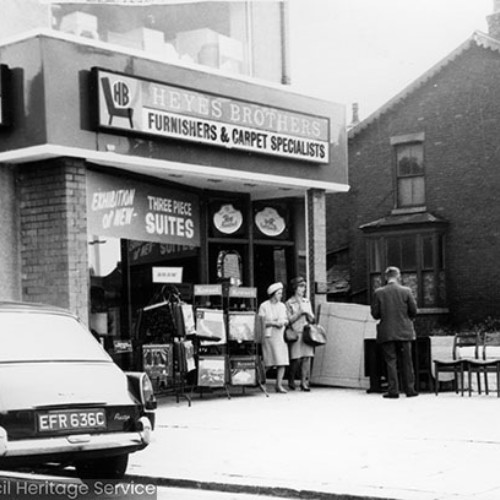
{"x": 419, "y": 255}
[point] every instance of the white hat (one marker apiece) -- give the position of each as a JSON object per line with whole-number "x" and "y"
{"x": 274, "y": 288}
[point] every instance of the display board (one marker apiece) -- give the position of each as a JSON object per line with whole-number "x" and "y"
{"x": 340, "y": 362}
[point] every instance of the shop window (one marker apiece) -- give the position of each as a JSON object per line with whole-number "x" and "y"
{"x": 375, "y": 262}
{"x": 375, "y": 256}
{"x": 105, "y": 286}
{"x": 228, "y": 244}
{"x": 410, "y": 175}
{"x": 219, "y": 35}
{"x": 420, "y": 256}
{"x": 228, "y": 263}
{"x": 146, "y": 256}
{"x": 122, "y": 284}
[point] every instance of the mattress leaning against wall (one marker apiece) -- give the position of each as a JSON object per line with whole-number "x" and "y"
{"x": 341, "y": 362}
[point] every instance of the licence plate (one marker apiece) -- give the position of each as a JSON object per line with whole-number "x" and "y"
{"x": 70, "y": 420}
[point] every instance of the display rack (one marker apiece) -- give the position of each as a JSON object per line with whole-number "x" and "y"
{"x": 243, "y": 351}
{"x": 210, "y": 339}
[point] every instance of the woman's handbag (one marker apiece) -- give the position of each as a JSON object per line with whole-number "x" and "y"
{"x": 291, "y": 335}
{"x": 314, "y": 335}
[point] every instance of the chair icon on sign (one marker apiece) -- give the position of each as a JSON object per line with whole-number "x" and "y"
{"x": 113, "y": 110}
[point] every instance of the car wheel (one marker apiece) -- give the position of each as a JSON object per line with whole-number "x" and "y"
{"x": 103, "y": 468}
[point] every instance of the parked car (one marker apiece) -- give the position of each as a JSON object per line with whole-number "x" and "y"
{"x": 63, "y": 399}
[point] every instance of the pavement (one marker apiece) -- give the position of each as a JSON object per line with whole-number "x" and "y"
{"x": 330, "y": 443}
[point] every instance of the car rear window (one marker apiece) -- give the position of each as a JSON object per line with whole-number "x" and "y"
{"x": 32, "y": 336}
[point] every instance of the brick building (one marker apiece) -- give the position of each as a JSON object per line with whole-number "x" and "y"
{"x": 137, "y": 140}
{"x": 424, "y": 176}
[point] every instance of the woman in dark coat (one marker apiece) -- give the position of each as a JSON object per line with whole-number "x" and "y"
{"x": 299, "y": 314}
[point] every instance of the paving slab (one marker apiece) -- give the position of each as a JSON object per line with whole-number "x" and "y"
{"x": 329, "y": 443}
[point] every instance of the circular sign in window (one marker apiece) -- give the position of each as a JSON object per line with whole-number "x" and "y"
{"x": 270, "y": 222}
{"x": 228, "y": 219}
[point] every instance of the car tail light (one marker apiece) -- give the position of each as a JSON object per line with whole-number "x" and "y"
{"x": 147, "y": 393}
{"x": 3, "y": 441}
{"x": 141, "y": 387}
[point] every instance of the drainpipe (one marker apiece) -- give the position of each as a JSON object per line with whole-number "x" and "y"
{"x": 285, "y": 43}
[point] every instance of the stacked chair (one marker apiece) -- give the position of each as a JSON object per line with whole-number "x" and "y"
{"x": 487, "y": 362}
{"x": 464, "y": 351}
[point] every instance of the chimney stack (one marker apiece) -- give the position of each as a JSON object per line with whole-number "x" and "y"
{"x": 494, "y": 21}
{"x": 355, "y": 114}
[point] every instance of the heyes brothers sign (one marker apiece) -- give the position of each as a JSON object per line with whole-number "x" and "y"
{"x": 147, "y": 107}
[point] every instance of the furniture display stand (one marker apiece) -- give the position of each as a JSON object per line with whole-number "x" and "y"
{"x": 226, "y": 347}
{"x": 244, "y": 357}
{"x": 210, "y": 339}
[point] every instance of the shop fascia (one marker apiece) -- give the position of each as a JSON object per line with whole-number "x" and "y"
{"x": 141, "y": 106}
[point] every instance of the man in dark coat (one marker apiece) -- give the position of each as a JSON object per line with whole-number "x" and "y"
{"x": 395, "y": 307}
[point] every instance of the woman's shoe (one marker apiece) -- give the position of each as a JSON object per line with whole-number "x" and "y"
{"x": 305, "y": 388}
{"x": 281, "y": 390}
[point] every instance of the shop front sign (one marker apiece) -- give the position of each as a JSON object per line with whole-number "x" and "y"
{"x": 122, "y": 346}
{"x": 147, "y": 252}
{"x": 167, "y": 274}
{"x": 228, "y": 219}
{"x": 126, "y": 208}
{"x": 135, "y": 105}
{"x": 270, "y": 222}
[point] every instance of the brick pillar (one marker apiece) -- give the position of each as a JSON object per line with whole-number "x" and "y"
{"x": 316, "y": 240}
{"x": 10, "y": 288}
{"x": 53, "y": 227}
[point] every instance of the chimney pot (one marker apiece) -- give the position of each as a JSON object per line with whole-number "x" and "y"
{"x": 355, "y": 113}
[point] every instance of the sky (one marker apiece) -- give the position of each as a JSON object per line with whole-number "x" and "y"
{"x": 367, "y": 51}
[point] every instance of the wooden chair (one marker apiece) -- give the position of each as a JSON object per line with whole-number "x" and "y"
{"x": 422, "y": 364}
{"x": 465, "y": 348}
{"x": 489, "y": 360}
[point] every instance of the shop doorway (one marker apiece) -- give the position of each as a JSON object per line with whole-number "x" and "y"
{"x": 273, "y": 263}
{"x": 157, "y": 326}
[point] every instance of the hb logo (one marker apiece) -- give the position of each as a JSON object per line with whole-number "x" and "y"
{"x": 121, "y": 94}
{"x": 118, "y": 98}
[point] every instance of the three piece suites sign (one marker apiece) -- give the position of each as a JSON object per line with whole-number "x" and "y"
{"x": 136, "y": 105}
{"x": 126, "y": 208}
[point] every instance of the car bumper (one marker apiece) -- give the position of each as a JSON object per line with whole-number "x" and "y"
{"x": 76, "y": 443}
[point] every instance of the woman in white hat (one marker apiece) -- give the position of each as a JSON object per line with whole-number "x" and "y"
{"x": 274, "y": 318}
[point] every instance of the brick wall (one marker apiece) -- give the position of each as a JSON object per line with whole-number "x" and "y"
{"x": 459, "y": 112}
{"x": 53, "y": 228}
{"x": 494, "y": 23}
{"x": 9, "y": 248}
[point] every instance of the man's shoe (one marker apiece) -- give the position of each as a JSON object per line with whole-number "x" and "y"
{"x": 292, "y": 387}
{"x": 412, "y": 395}
{"x": 390, "y": 396}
